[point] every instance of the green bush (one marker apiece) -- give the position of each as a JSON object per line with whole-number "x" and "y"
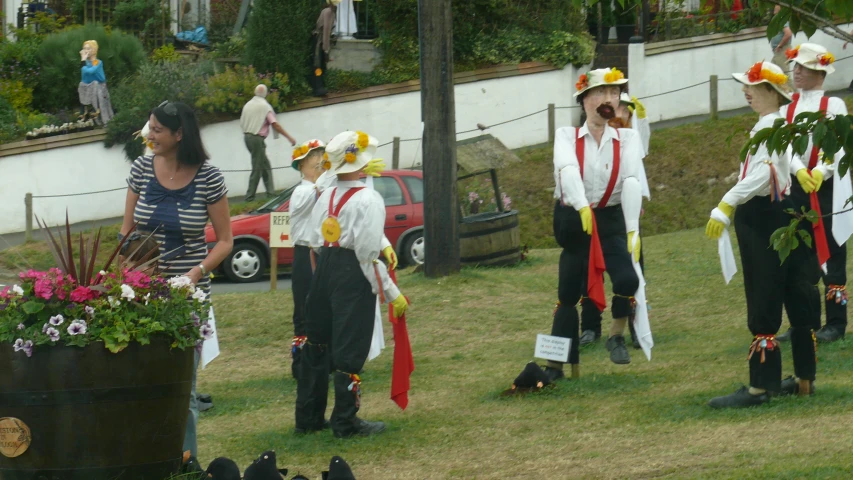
{"x": 166, "y": 53}
{"x": 8, "y": 120}
{"x": 223, "y": 16}
{"x": 232, "y": 47}
{"x": 59, "y": 58}
{"x": 134, "y": 98}
{"x": 146, "y": 18}
{"x": 18, "y": 94}
{"x": 279, "y": 35}
{"x": 227, "y": 92}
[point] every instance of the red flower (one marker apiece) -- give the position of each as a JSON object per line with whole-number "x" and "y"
{"x": 583, "y": 81}
{"x": 791, "y": 53}
{"x": 754, "y": 73}
{"x": 83, "y": 294}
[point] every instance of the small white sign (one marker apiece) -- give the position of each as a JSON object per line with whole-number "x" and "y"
{"x": 210, "y": 348}
{"x": 553, "y": 348}
{"x": 280, "y": 230}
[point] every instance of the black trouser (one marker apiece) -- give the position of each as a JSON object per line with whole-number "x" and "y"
{"x": 769, "y": 285}
{"x": 300, "y": 284}
{"x": 318, "y": 62}
{"x": 574, "y": 262}
{"x": 339, "y": 320}
{"x": 836, "y": 266}
{"x": 591, "y": 315}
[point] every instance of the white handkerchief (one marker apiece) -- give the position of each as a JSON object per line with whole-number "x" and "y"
{"x": 377, "y": 343}
{"x": 724, "y": 246}
{"x": 642, "y": 328}
{"x": 842, "y": 223}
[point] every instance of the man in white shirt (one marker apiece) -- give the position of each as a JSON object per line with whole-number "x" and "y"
{"x": 817, "y": 177}
{"x": 256, "y": 119}
{"x": 348, "y": 222}
{"x": 759, "y": 197}
{"x": 596, "y": 214}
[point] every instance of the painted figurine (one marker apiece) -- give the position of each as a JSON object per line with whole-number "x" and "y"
{"x": 93, "y": 85}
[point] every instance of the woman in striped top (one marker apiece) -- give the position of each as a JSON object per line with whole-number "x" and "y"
{"x": 174, "y": 193}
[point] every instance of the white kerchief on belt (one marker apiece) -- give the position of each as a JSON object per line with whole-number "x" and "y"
{"x": 724, "y": 246}
{"x": 641, "y": 311}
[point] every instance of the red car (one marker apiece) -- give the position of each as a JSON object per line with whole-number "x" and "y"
{"x": 402, "y": 190}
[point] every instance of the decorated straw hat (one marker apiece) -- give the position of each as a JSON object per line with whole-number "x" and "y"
{"x": 349, "y": 152}
{"x": 625, "y": 98}
{"x": 765, "y": 72}
{"x": 303, "y": 150}
{"x": 811, "y": 56}
{"x": 600, "y": 77}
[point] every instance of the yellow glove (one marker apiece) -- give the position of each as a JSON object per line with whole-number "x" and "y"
{"x": 390, "y": 256}
{"x": 726, "y": 208}
{"x": 374, "y": 167}
{"x": 636, "y": 250}
{"x": 400, "y": 305}
{"x": 586, "y": 219}
{"x": 714, "y": 229}
{"x": 817, "y": 175}
{"x": 806, "y": 181}
{"x": 641, "y": 109}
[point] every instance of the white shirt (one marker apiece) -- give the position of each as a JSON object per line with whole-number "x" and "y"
{"x": 302, "y": 202}
{"x": 641, "y": 126}
{"x": 362, "y": 221}
{"x": 756, "y": 181}
{"x": 810, "y": 102}
{"x": 578, "y": 192}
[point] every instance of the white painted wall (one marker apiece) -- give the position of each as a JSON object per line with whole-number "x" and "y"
{"x": 10, "y": 10}
{"x": 654, "y": 74}
{"x": 91, "y": 167}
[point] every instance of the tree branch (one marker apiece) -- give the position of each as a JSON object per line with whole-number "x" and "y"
{"x": 825, "y": 25}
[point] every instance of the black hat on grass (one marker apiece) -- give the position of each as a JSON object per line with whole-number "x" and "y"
{"x": 264, "y": 468}
{"x": 338, "y": 470}
{"x": 531, "y": 379}
{"x": 222, "y": 468}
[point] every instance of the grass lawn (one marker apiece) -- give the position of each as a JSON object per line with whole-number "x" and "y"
{"x": 472, "y": 333}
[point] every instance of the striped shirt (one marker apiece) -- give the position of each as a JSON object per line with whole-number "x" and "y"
{"x": 178, "y": 217}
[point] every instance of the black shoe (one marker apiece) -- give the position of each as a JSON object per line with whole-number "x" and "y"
{"x": 554, "y": 374}
{"x": 587, "y": 337}
{"x": 618, "y": 352}
{"x": 204, "y": 406}
{"x": 303, "y": 431}
{"x": 204, "y": 397}
{"x": 790, "y": 386}
{"x": 785, "y": 337}
{"x": 829, "y": 334}
{"x": 363, "y": 428}
{"x": 740, "y": 399}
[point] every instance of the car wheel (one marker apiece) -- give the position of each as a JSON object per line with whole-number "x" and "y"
{"x": 413, "y": 251}
{"x": 245, "y": 263}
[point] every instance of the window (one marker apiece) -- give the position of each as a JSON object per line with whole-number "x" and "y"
{"x": 416, "y": 188}
{"x": 390, "y": 191}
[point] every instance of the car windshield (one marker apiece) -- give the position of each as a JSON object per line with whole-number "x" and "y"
{"x": 276, "y": 202}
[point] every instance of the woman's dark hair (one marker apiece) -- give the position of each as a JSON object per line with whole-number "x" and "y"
{"x": 175, "y": 116}
{"x": 766, "y": 86}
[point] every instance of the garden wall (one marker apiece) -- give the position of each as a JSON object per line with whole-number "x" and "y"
{"x": 666, "y": 66}
{"x": 91, "y": 167}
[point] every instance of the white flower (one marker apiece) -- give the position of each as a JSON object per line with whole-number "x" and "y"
{"x": 102, "y": 273}
{"x": 53, "y": 334}
{"x": 206, "y": 331}
{"x": 89, "y": 310}
{"x": 113, "y": 302}
{"x": 147, "y": 297}
{"x": 178, "y": 282}
{"x": 56, "y": 320}
{"x": 77, "y": 327}
{"x": 17, "y": 290}
{"x": 127, "y": 292}
{"x": 199, "y": 295}
{"x": 19, "y": 344}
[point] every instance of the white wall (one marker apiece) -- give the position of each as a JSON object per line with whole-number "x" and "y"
{"x": 91, "y": 167}
{"x": 650, "y": 75}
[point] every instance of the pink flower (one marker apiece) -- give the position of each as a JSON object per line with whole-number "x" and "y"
{"x": 83, "y": 294}
{"x": 137, "y": 279}
{"x": 44, "y": 288}
{"x": 4, "y": 294}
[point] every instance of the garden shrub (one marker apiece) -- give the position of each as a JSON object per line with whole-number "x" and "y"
{"x": 134, "y": 99}
{"x": 8, "y": 119}
{"x": 59, "y": 58}
{"x": 223, "y": 16}
{"x": 227, "y": 92}
{"x": 18, "y": 94}
{"x": 166, "y": 53}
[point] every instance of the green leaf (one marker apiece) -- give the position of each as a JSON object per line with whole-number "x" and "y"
{"x": 842, "y": 128}
{"x": 819, "y": 133}
{"x": 806, "y": 237}
{"x": 32, "y": 307}
{"x": 801, "y": 144}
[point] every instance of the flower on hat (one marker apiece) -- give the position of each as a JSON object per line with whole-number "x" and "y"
{"x": 583, "y": 82}
{"x": 363, "y": 141}
{"x": 300, "y": 151}
{"x": 327, "y": 165}
{"x": 792, "y": 53}
{"x": 756, "y": 74}
{"x": 826, "y": 59}
{"x": 314, "y": 144}
{"x": 349, "y": 157}
{"x": 613, "y": 75}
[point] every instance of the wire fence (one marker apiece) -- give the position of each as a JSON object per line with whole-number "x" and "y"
{"x": 480, "y": 127}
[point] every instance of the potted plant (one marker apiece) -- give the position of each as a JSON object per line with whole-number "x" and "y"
{"x": 97, "y": 366}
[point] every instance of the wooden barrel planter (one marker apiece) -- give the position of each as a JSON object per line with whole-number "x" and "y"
{"x": 490, "y": 239}
{"x": 96, "y": 415}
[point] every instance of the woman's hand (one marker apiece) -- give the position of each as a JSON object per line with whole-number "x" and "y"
{"x": 194, "y": 275}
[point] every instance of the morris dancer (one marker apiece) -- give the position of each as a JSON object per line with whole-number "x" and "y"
{"x": 596, "y": 167}
{"x": 758, "y": 197}
{"x": 341, "y": 304}
{"x": 818, "y": 182}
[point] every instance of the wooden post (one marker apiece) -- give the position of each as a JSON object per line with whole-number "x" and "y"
{"x": 273, "y": 269}
{"x": 552, "y": 123}
{"x": 713, "y": 97}
{"x": 498, "y": 201}
{"x": 441, "y": 222}
{"x": 395, "y": 157}
{"x": 28, "y": 202}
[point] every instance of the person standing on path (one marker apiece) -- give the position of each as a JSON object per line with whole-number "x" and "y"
{"x": 256, "y": 119}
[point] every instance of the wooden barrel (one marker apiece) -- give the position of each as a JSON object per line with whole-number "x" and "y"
{"x": 490, "y": 238}
{"x": 96, "y": 415}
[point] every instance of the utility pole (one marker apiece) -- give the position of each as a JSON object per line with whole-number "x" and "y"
{"x": 441, "y": 218}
